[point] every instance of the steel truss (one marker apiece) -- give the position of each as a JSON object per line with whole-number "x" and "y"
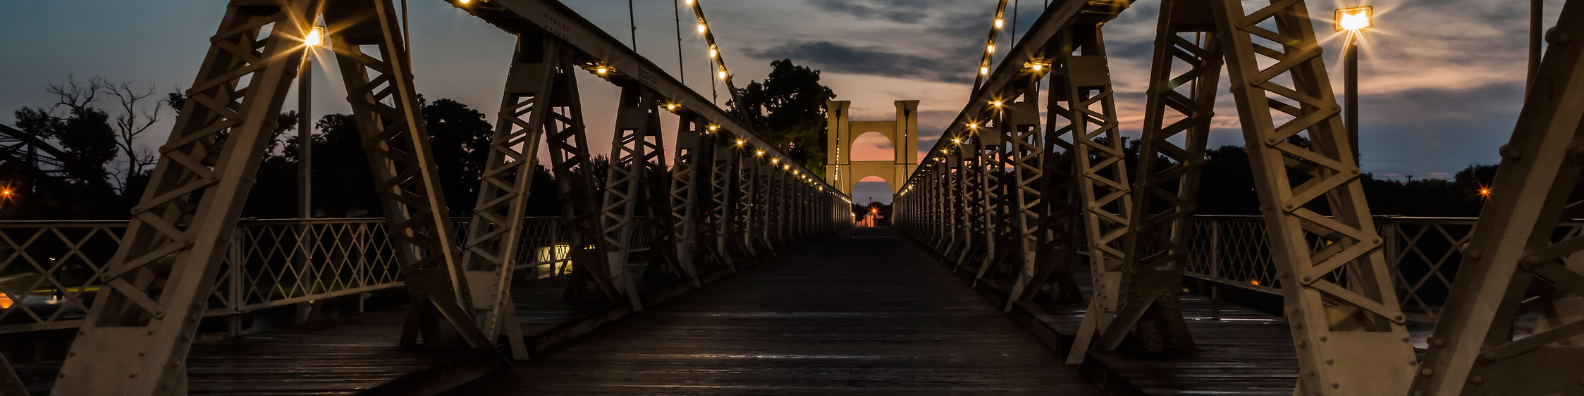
{"x": 1344, "y": 315}
{"x": 137, "y": 336}
{"x": 141, "y": 327}
{"x": 1516, "y": 262}
{"x": 636, "y": 138}
{"x": 688, "y": 182}
{"x": 529, "y": 99}
{"x": 1103, "y": 187}
{"x": 1157, "y": 242}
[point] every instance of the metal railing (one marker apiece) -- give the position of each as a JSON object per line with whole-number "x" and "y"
{"x": 1422, "y": 253}
{"x": 50, "y": 270}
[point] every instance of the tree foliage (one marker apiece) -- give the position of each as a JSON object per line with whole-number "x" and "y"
{"x": 788, "y": 110}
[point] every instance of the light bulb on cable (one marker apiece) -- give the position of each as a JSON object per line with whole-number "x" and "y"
{"x": 701, "y": 28}
{"x": 990, "y": 48}
{"x": 713, "y": 53}
{"x": 985, "y": 71}
{"x": 998, "y": 23}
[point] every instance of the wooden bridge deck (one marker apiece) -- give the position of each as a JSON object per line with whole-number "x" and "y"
{"x": 863, "y": 312}
{"x": 1241, "y": 351}
{"x": 867, "y": 311}
{"x": 360, "y": 354}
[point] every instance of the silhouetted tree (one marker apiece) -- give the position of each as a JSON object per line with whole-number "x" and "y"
{"x": 788, "y": 110}
{"x": 460, "y": 139}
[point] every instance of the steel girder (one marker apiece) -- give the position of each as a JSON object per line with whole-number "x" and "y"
{"x": 1020, "y": 122}
{"x": 385, "y": 107}
{"x": 661, "y": 226}
{"x": 498, "y": 217}
{"x": 1103, "y": 187}
{"x": 1515, "y": 262}
{"x": 743, "y": 199}
{"x": 723, "y": 185}
{"x": 988, "y": 142}
{"x": 687, "y": 190}
{"x": 1157, "y": 242}
{"x": 1351, "y": 339}
{"x": 136, "y": 338}
{"x": 636, "y": 122}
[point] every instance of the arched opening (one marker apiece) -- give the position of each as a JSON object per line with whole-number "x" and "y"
{"x": 873, "y": 146}
{"x": 872, "y": 188}
{"x": 872, "y": 200}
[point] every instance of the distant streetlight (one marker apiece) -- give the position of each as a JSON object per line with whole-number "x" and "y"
{"x": 1354, "y": 21}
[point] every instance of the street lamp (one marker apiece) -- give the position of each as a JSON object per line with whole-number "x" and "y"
{"x": 1354, "y": 21}
{"x": 315, "y": 38}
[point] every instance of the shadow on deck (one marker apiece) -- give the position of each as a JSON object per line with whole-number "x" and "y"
{"x": 1241, "y": 351}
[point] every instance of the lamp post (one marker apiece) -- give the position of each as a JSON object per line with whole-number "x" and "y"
{"x": 313, "y": 40}
{"x": 1354, "y": 21}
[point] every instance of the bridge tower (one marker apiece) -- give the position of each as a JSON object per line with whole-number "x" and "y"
{"x": 844, "y": 173}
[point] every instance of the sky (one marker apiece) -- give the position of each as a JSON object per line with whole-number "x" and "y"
{"x": 1441, "y": 81}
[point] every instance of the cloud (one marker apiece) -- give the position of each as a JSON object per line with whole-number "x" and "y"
{"x": 899, "y": 11}
{"x": 842, "y": 58}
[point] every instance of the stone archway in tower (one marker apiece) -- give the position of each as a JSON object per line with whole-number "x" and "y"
{"x": 844, "y": 171}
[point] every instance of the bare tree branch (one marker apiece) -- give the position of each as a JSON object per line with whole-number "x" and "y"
{"x": 131, "y": 123}
{"x": 76, "y": 95}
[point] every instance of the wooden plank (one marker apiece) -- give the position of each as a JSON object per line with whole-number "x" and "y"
{"x": 862, "y": 312}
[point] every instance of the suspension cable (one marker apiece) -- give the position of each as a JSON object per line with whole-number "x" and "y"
{"x": 1014, "y": 22}
{"x": 676, "y": 10}
{"x": 632, "y": 22}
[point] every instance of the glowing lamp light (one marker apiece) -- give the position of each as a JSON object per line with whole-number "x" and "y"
{"x": 1037, "y": 67}
{"x": 775, "y": 160}
{"x": 689, "y": 2}
{"x": 956, "y": 141}
{"x": 1484, "y": 192}
{"x": 722, "y": 74}
{"x": 464, "y": 1}
{"x": 1355, "y": 19}
{"x": 995, "y": 103}
{"x": 990, "y": 48}
{"x": 984, "y": 71}
{"x": 714, "y": 127}
{"x": 740, "y": 142}
{"x": 701, "y": 28}
{"x": 601, "y": 70}
{"x": 315, "y": 37}
{"x": 759, "y": 153}
{"x": 6, "y": 193}
{"x": 999, "y": 22}
{"x": 671, "y": 106}
{"x": 973, "y": 125}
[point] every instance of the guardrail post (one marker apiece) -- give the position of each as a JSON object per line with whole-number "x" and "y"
{"x": 234, "y": 295}
{"x": 1215, "y": 258}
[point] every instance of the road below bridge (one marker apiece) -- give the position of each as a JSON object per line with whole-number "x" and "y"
{"x": 865, "y": 311}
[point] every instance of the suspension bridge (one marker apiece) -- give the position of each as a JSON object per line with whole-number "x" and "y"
{"x": 1025, "y": 258}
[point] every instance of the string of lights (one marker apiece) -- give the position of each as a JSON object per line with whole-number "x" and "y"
{"x": 717, "y": 60}
{"x": 995, "y": 31}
